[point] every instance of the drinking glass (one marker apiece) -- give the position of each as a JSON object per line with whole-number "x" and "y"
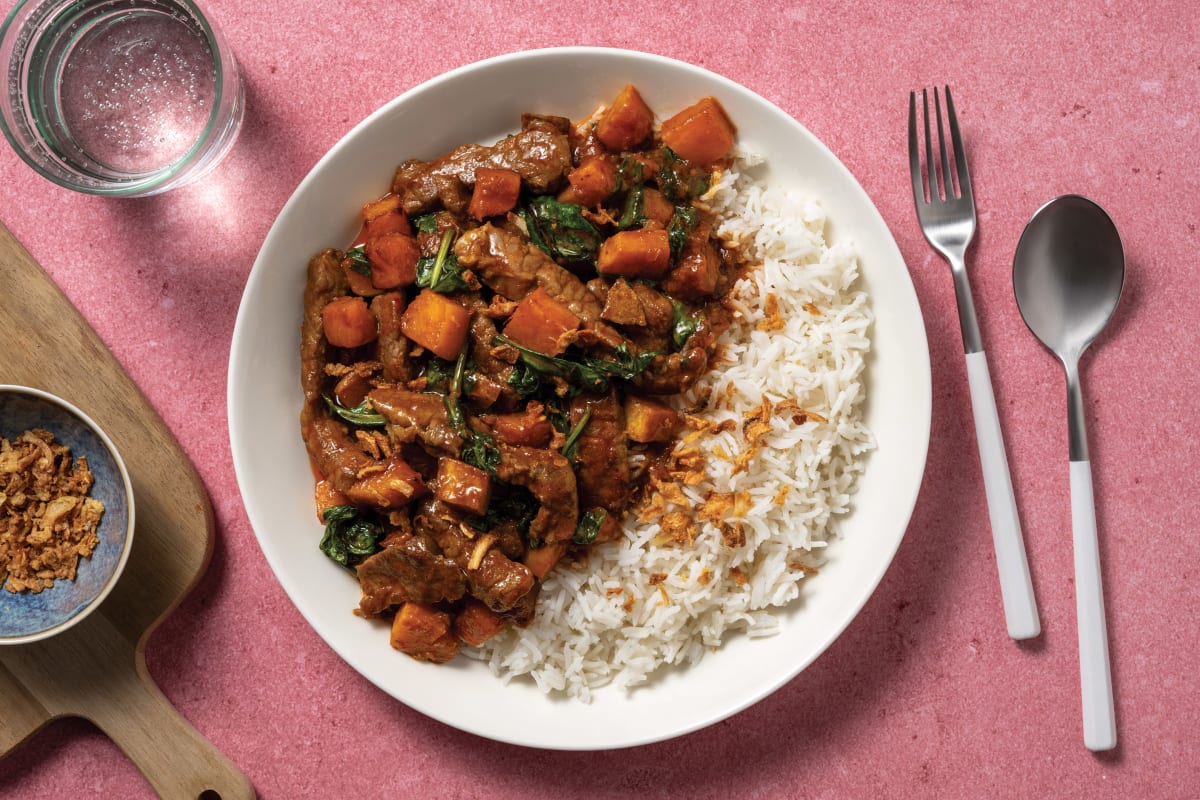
{"x": 118, "y": 97}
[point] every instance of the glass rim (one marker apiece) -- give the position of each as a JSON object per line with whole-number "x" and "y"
{"x": 211, "y": 143}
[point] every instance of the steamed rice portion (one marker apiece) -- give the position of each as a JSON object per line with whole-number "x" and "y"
{"x": 774, "y": 446}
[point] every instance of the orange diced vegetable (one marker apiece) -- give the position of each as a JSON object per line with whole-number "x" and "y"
{"x": 393, "y": 258}
{"x": 626, "y": 123}
{"x": 657, "y": 207}
{"x": 635, "y": 254}
{"x": 424, "y": 633}
{"x": 348, "y": 322}
{"x": 382, "y": 216}
{"x": 496, "y": 192}
{"x": 541, "y": 560}
{"x": 590, "y": 183}
{"x": 327, "y": 497}
{"x": 394, "y": 486}
{"x": 701, "y": 133}
{"x": 698, "y": 271}
{"x": 392, "y": 222}
{"x": 437, "y": 323}
{"x": 387, "y": 204}
{"x": 538, "y": 322}
{"x": 648, "y": 420}
{"x": 528, "y": 428}
{"x": 477, "y": 623}
{"x": 463, "y": 486}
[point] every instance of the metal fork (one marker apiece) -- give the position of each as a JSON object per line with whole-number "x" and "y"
{"x": 946, "y": 211}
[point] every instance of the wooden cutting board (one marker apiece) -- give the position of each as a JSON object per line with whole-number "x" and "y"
{"x": 97, "y": 669}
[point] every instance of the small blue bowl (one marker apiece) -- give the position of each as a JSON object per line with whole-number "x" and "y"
{"x": 27, "y": 617}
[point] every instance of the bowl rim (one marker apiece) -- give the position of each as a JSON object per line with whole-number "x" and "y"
{"x": 77, "y": 412}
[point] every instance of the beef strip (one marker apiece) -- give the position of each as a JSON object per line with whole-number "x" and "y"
{"x": 622, "y": 306}
{"x": 498, "y": 581}
{"x": 408, "y": 571}
{"x": 490, "y": 365}
{"x": 601, "y": 455}
{"x": 675, "y": 372}
{"x": 511, "y": 265}
{"x": 540, "y": 154}
{"x": 330, "y": 445}
{"x": 417, "y": 416}
{"x": 549, "y": 477}
{"x": 392, "y": 343}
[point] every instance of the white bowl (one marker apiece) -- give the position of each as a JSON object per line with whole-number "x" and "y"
{"x": 481, "y": 103}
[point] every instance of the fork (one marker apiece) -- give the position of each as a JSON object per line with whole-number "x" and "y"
{"x": 946, "y": 211}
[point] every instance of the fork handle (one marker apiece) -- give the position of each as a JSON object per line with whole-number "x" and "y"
{"x": 1016, "y": 587}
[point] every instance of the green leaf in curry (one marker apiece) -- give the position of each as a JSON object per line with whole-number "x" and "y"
{"x": 585, "y": 374}
{"x": 361, "y": 415}
{"x": 357, "y": 256}
{"x": 426, "y": 223}
{"x": 561, "y": 230}
{"x": 588, "y": 527}
{"x": 631, "y": 212}
{"x": 683, "y": 324}
{"x": 441, "y": 273}
{"x": 683, "y": 222}
{"x": 677, "y": 180}
{"x": 480, "y": 451}
{"x": 572, "y": 443}
{"x": 349, "y": 536}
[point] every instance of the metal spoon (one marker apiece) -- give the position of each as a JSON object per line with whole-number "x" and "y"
{"x": 1067, "y": 274}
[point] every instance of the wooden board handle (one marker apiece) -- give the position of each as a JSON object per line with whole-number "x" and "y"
{"x": 172, "y": 755}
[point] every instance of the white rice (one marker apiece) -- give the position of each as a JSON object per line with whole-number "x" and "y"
{"x": 639, "y": 603}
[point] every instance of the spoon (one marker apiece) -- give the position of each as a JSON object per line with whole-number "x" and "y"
{"x": 1067, "y": 275}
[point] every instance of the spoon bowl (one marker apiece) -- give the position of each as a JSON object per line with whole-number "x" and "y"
{"x": 1068, "y": 272}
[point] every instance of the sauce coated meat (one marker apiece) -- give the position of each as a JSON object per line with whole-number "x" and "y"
{"x": 486, "y": 364}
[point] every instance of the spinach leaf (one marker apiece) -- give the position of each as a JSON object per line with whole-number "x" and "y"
{"x": 683, "y": 324}
{"x": 676, "y": 181}
{"x": 572, "y": 443}
{"x": 349, "y": 536}
{"x": 668, "y": 176}
{"x": 558, "y": 416}
{"x": 629, "y": 174}
{"x": 683, "y": 221}
{"x": 360, "y": 415}
{"x": 631, "y": 213}
{"x": 561, "y": 229}
{"x": 426, "y": 223}
{"x": 438, "y": 375}
{"x": 586, "y": 374}
{"x": 524, "y": 379}
{"x": 588, "y": 527}
{"x": 358, "y": 260}
{"x": 441, "y": 273}
{"x": 510, "y": 503}
{"x": 480, "y": 451}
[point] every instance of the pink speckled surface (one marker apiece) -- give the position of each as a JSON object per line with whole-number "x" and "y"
{"x": 924, "y": 695}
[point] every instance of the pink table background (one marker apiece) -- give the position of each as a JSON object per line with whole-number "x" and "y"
{"x": 924, "y": 695}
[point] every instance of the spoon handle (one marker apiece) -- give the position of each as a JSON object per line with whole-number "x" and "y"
{"x": 1016, "y": 587}
{"x": 1095, "y": 677}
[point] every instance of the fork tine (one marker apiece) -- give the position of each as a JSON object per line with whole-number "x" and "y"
{"x": 930, "y": 164}
{"x": 960, "y": 158}
{"x": 914, "y": 151}
{"x": 947, "y": 175}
